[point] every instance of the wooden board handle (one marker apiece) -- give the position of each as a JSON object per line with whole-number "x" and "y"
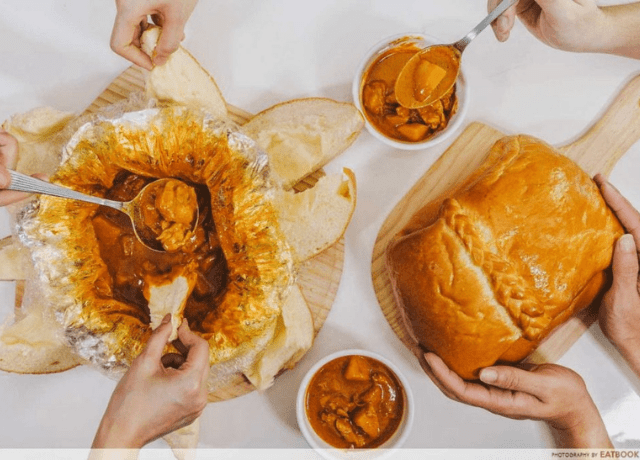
{"x": 604, "y": 143}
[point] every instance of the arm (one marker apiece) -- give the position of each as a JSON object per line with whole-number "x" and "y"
{"x": 152, "y": 400}
{"x": 619, "y": 314}
{"x": 549, "y": 392}
{"x": 131, "y": 21}
{"x": 576, "y": 25}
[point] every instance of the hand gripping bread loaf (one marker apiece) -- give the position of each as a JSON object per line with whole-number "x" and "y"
{"x": 484, "y": 274}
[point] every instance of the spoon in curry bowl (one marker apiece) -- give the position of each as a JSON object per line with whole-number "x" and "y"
{"x": 163, "y": 214}
{"x": 432, "y": 71}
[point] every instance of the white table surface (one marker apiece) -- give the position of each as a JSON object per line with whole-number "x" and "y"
{"x": 56, "y": 53}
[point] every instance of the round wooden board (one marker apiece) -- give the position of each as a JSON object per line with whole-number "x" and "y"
{"x": 318, "y": 278}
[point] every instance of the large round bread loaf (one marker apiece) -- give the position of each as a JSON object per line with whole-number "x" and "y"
{"x": 484, "y": 274}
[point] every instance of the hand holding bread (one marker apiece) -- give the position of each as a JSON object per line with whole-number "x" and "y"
{"x": 151, "y": 400}
{"x": 619, "y": 313}
{"x": 131, "y": 21}
{"x": 548, "y": 392}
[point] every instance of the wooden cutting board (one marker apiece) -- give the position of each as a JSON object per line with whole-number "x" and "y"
{"x": 597, "y": 150}
{"x": 318, "y": 278}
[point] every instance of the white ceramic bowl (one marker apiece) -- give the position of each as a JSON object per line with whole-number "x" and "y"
{"x": 329, "y": 452}
{"x": 462, "y": 92}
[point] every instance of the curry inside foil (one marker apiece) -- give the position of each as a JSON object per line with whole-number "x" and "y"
{"x": 95, "y": 276}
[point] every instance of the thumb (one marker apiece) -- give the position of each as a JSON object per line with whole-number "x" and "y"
{"x": 169, "y": 41}
{"x": 625, "y": 263}
{"x": 159, "y": 339}
{"x": 511, "y": 378}
{"x": 503, "y": 24}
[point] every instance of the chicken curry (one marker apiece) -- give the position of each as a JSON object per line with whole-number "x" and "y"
{"x": 134, "y": 267}
{"x": 387, "y": 115}
{"x": 355, "y": 402}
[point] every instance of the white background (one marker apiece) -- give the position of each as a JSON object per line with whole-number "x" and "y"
{"x": 56, "y": 53}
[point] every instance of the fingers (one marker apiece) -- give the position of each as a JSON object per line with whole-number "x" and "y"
{"x": 512, "y": 378}
{"x": 508, "y": 402}
{"x": 125, "y": 39}
{"x": 5, "y": 178}
{"x": 198, "y": 355}
{"x": 11, "y": 196}
{"x": 8, "y": 150}
{"x": 504, "y": 23}
{"x": 625, "y": 264}
{"x": 629, "y": 217}
{"x": 169, "y": 41}
{"x": 158, "y": 340}
{"x": 448, "y": 381}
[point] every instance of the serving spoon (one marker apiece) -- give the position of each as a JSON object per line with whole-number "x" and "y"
{"x": 409, "y": 88}
{"x": 133, "y": 208}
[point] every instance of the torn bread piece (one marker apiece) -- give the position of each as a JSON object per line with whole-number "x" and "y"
{"x": 293, "y": 337}
{"x": 181, "y": 79}
{"x": 184, "y": 441}
{"x": 302, "y": 135}
{"x": 169, "y": 298}
{"x": 316, "y": 218}
{"x": 40, "y": 149}
{"x": 32, "y": 345}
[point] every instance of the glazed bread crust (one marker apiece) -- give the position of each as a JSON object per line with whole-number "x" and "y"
{"x": 483, "y": 275}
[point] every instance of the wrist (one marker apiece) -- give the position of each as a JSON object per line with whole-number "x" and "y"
{"x": 586, "y": 431}
{"x": 630, "y": 351}
{"x": 111, "y": 435}
{"x": 619, "y": 30}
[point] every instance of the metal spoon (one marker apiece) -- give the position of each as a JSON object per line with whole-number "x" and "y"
{"x": 133, "y": 209}
{"x": 409, "y": 89}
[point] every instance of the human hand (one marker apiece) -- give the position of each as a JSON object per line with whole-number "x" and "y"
{"x": 570, "y": 25}
{"x": 131, "y": 21}
{"x": 547, "y": 392}
{"x": 619, "y": 314}
{"x": 8, "y": 160}
{"x": 152, "y": 400}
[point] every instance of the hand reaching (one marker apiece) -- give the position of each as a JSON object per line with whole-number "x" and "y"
{"x": 548, "y": 392}
{"x": 132, "y": 20}
{"x": 152, "y": 400}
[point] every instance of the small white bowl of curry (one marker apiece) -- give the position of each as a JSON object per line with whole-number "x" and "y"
{"x": 387, "y": 120}
{"x": 354, "y": 402}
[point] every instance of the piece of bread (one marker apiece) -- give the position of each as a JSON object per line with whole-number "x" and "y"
{"x": 32, "y": 344}
{"x": 181, "y": 79}
{"x": 316, "y": 218}
{"x": 169, "y": 298}
{"x": 292, "y": 339}
{"x": 40, "y": 138}
{"x": 302, "y": 135}
{"x": 184, "y": 441}
{"x": 485, "y": 274}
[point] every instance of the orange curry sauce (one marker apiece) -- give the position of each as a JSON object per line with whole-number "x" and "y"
{"x": 354, "y": 402}
{"x": 133, "y": 267}
{"x": 383, "y": 110}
